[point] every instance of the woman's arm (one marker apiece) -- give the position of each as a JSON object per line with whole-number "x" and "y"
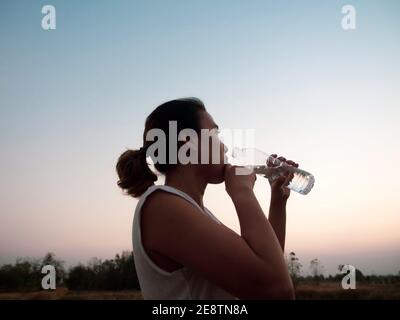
{"x": 277, "y": 219}
{"x": 250, "y": 266}
{"x": 277, "y": 208}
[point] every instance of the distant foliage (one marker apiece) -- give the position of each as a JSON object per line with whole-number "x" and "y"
{"x": 120, "y": 274}
{"x": 25, "y": 274}
{"x": 294, "y": 267}
{"x": 317, "y": 270}
{"x": 115, "y": 274}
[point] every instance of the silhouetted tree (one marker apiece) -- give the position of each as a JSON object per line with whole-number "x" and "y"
{"x": 316, "y": 269}
{"x": 115, "y": 274}
{"x": 294, "y": 267}
{"x": 81, "y": 277}
{"x": 23, "y": 275}
{"x": 50, "y": 259}
{"x": 26, "y": 274}
{"x": 359, "y": 275}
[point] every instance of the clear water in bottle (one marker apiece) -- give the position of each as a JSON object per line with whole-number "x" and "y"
{"x": 273, "y": 168}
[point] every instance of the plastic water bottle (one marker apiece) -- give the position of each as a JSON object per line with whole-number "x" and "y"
{"x": 272, "y": 168}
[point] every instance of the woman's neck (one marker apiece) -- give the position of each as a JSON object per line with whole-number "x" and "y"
{"x": 186, "y": 180}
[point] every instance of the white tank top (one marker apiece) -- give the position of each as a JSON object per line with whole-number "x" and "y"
{"x": 157, "y": 283}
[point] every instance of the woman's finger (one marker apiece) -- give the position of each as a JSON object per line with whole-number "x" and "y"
{"x": 271, "y": 160}
{"x": 292, "y": 163}
{"x": 288, "y": 179}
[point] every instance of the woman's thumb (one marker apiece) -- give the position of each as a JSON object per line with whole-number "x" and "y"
{"x": 280, "y": 181}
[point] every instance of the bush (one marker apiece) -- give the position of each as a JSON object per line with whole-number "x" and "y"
{"x": 114, "y": 274}
{"x": 26, "y": 274}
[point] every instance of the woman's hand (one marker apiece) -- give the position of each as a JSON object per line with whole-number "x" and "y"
{"x": 279, "y": 192}
{"x": 236, "y": 184}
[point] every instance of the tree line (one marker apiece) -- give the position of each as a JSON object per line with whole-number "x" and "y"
{"x": 316, "y": 273}
{"x": 120, "y": 274}
{"x": 114, "y": 274}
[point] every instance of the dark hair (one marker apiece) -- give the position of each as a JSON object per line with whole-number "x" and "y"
{"x": 133, "y": 171}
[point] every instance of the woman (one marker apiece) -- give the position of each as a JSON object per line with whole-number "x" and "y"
{"x": 181, "y": 250}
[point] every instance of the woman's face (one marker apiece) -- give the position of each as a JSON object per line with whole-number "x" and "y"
{"x": 213, "y": 171}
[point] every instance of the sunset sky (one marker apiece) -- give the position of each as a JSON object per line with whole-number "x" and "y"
{"x": 74, "y": 98}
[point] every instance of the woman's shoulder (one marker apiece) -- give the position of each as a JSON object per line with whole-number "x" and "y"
{"x": 160, "y": 207}
{"x": 164, "y": 213}
{"x": 159, "y": 198}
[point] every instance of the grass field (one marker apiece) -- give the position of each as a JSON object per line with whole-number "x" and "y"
{"x": 305, "y": 291}
{"x": 334, "y": 291}
{"x": 65, "y": 294}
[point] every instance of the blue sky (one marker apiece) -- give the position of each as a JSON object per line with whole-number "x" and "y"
{"x": 72, "y": 99}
